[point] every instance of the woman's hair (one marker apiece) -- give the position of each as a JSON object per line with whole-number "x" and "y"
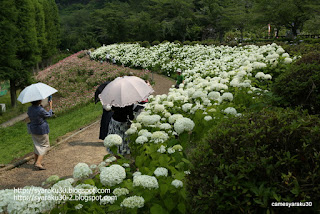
{"x": 36, "y": 103}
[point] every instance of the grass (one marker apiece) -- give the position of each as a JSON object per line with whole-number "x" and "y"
{"x": 11, "y": 112}
{"x": 15, "y": 142}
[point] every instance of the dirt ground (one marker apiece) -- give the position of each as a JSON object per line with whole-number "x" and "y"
{"x": 84, "y": 147}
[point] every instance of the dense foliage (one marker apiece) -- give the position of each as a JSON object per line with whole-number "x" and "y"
{"x": 29, "y": 34}
{"x": 92, "y": 23}
{"x": 246, "y": 163}
{"x": 299, "y": 83}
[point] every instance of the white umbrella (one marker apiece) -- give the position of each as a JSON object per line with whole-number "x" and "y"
{"x": 38, "y": 91}
{"x": 124, "y": 91}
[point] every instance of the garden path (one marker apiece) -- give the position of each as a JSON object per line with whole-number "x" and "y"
{"x": 84, "y": 146}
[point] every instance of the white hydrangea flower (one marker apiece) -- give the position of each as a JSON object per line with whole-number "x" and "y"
{"x": 81, "y": 170}
{"x": 177, "y": 183}
{"x": 171, "y": 150}
{"x": 146, "y": 181}
{"x": 227, "y": 96}
{"x": 159, "y": 137}
{"x": 230, "y": 110}
{"x": 145, "y": 132}
{"x": 78, "y": 206}
{"x": 158, "y": 108}
{"x": 214, "y": 95}
{"x": 162, "y": 149}
{"x": 93, "y": 166}
{"x": 178, "y": 147}
{"x": 186, "y": 107}
{"x": 108, "y": 199}
{"x": 131, "y": 130}
{"x": 120, "y": 191}
{"x": 126, "y": 165}
{"x": 207, "y": 118}
{"x": 141, "y": 139}
{"x": 287, "y": 60}
{"x": 137, "y": 173}
{"x": 165, "y": 126}
{"x": 174, "y": 117}
{"x": 161, "y": 171}
{"x": 112, "y": 140}
{"x": 112, "y": 175}
{"x": 133, "y": 202}
{"x": 187, "y": 172}
{"x": 183, "y": 124}
{"x": 86, "y": 189}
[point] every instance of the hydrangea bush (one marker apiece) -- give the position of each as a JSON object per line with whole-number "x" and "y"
{"x": 220, "y": 81}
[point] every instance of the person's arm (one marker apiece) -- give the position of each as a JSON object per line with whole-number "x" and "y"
{"x": 45, "y": 113}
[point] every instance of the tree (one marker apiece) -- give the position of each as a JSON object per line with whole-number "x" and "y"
{"x": 8, "y": 45}
{"x": 52, "y": 27}
{"x": 292, "y": 14}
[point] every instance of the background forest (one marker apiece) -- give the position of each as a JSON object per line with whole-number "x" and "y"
{"x": 90, "y": 23}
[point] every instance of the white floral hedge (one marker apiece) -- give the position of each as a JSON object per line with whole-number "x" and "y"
{"x": 219, "y": 82}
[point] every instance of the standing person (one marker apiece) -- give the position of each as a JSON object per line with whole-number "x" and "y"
{"x": 180, "y": 78}
{"x": 39, "y": 130}
{"x": 119, "y": 124}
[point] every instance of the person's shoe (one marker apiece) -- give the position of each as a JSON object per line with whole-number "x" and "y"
{"x": 39, "y": 167}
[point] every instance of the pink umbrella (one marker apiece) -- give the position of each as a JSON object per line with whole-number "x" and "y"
{"x": 124, "y": 91}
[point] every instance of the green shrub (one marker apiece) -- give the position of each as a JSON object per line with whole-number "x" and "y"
{"x": 177, "y": 42}
{"x": 156, "y": 42}
{"x": 299, "y": 84}
{"x": 145, "y": 44}
{"x": 187, "y": 42}
{"x": 246, "y": 163}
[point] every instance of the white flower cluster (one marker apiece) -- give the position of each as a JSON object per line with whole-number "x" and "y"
{"x": 177, "y": 183}
{"x": 183, "y": 124}
{"x": 159, "y": 136}
{"x": 112, "y": 175}
{"x": 112, "y": 140}
{"x": 161, "y": 171}
{"x": 141, "y": 139}
{"x": 120, "y": 191}
{"x": 81, "y": 171}
{"x": 133, "y": 202}
{"x": 146, "y": 181}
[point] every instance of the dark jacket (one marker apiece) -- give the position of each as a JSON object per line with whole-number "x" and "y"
{"x": 38, "y": 124}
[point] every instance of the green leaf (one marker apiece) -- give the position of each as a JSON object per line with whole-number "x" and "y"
{"x": 89, "y": 181}
{"x": 157, "y": 209}
{"x": 185, "y": 160}
{"x": 114, "y": 208}
{"x": 169, "y": 203}
{"x": 182, "y": 208}
{"x": 163, "y": 189}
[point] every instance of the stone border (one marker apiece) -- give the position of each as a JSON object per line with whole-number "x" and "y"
{"x": 25, "y": 160}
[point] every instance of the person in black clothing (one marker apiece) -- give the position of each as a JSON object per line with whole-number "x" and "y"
{"x": 119, "y": 124}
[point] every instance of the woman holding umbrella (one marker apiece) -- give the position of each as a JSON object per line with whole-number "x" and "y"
{"x": 38, "y": 126}
{"x": 39, "y": 129}
{"x": 122, "y": 93}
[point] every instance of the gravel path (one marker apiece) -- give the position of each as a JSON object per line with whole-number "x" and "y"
{"x": 83, "y": 147}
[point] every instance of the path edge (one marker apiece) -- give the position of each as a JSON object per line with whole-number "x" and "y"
{"x": 25, "y": 160}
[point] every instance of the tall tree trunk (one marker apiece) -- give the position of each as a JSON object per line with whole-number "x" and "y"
{"x": 13, "y": 93}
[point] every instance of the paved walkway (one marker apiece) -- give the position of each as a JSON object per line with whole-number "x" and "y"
{"x": 83, "y": 147}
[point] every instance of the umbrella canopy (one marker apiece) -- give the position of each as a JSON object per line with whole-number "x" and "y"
{"x": 99, "y": 90}
{"x": 124, "y": 91}
{"x": 38, "y": 91}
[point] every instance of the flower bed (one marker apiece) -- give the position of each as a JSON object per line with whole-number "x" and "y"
{"x": 219, "y": 82}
